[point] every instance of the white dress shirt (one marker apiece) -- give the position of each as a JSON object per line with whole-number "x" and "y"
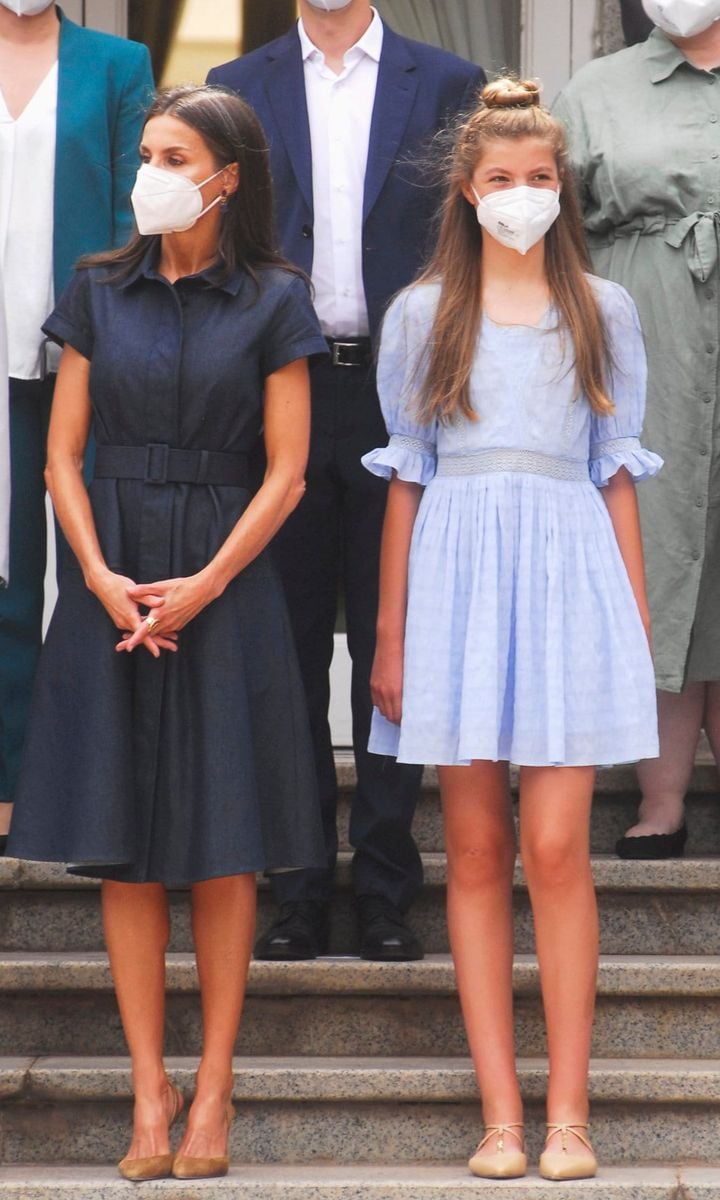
{"x": 340, "y": 111}
{"x": 27, "y": 175}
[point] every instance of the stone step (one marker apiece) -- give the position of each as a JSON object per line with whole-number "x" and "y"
{"x": 64, "y": 1004}
{"x": 614, "y": 810}
{"x": 357, "y": 1109}
{"x": 385, "y": 1182}
{"x": 645, "y": 907}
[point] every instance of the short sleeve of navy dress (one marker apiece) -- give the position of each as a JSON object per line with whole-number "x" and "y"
{"x": 197, "y": 764}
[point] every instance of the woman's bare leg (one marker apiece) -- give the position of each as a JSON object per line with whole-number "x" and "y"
{"x": 223, "y": 923}
{"x": 137, "y": 928}
{"x": 664, "y": 780}
{"x": 555, "y": 848}
{"x": 480, "y": 843}
{"x": 711, "y": 717}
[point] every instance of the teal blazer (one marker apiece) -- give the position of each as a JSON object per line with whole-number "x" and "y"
{"x": 104, "y": 87}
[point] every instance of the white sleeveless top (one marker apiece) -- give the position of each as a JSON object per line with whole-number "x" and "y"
{"x": 27, "y": 175}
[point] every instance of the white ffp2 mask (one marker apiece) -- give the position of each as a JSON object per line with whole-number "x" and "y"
{"x": 164, "y": 202}
{"x": 518, "y": 217}
{"x": 26, "y": 8}
{"x": 682, "y": 18}
{"x": 330, "y": 5}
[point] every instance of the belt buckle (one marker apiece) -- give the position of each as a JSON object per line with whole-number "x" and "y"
{"x": 156, "y": 462}
{"x": 337, "y": 358}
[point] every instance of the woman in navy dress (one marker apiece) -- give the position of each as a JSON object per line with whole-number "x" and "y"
{"x": 168, "y": 742}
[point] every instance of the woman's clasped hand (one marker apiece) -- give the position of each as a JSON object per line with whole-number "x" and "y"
{"x": 172, "y": 604}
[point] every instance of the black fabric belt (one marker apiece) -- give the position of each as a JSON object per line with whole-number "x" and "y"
{"x": 350, "y": 352}
{"x": 160, "y": 463}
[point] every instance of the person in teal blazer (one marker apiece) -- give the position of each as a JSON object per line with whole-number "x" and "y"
{"x": 104, "y": 84}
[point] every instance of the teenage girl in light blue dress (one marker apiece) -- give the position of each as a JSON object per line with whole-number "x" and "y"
{"x": 513, "y": 620}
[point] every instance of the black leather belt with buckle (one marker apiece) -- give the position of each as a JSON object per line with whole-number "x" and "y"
{"x": 350, "y": 352}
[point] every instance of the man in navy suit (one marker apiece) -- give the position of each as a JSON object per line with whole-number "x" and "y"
{"x": 350, "y": 110}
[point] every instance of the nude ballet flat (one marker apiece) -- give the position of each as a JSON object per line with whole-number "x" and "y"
{"x": 503, "y": 1164}
{"x": 158, "y": 1166}
{"x": 188, "y": 1167}
{"x": 558, "y": 1164}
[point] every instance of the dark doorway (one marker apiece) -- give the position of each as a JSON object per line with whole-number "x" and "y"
{"x": 264, "y": 20}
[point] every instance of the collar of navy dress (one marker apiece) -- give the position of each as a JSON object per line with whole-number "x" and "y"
{"x": 147, "y": 269}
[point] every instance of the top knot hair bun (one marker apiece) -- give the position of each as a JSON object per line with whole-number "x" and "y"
{"x": 511, "y": 93}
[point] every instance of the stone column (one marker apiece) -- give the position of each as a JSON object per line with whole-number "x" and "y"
{"x": 610, "y": 35}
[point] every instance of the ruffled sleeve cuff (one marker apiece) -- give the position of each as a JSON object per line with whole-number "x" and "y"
{"x": 413, "y": 459}
{"x": 606, "y": 459}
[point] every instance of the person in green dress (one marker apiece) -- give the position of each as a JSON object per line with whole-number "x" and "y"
{"x": 644, "y": 131}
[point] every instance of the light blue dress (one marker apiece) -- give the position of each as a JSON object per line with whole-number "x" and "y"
{"x": 523, "y": 639}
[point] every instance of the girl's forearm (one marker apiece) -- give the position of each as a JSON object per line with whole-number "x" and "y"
{"x": 400, "y": 513}
{"x": 622, "y": 505}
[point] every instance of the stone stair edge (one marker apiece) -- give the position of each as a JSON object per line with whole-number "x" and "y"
{"x": 619, "y": 975}
{"x": 692, "y": 873}
{"x": 364, "y": 1080}
{"x": 329, "y": 1182}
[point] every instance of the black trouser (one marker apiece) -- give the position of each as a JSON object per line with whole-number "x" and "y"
{"x": 332, "y": 541}
{"x": 21, "y": 603}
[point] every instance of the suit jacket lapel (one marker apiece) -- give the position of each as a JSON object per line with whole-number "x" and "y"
{"x": 285, "y": 86}
{"x": 394, "y": 97}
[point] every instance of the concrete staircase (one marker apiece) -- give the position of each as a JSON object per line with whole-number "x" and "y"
{"x": 352, "y": 1078}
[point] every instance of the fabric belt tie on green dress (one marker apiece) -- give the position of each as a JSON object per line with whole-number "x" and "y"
{"x": 696, "y": 234}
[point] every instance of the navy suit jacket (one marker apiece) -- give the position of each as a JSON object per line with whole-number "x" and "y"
{"x": 419, "y": 90}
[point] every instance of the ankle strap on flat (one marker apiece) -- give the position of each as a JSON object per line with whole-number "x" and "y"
{"x": 499, "y": 1132}
{"x": 563, "y": 1130}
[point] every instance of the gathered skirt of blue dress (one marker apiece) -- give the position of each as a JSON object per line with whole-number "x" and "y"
{"x": 523, "y": 638}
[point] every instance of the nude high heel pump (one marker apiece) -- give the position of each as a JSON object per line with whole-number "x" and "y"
{"x": 157, "y": 1166}
{"x": 558, "y": 1164}
{"x": 189, "y": 1167}
{"x": 504, "y": 1163}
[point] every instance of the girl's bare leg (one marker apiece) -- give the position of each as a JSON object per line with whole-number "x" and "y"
{"x": 665, "y": 780}
{"x": 137, "y": 928}
{"x": 555, "y": 847}
{"x": 223, "y": 923}
{"x": 480, "y": 843}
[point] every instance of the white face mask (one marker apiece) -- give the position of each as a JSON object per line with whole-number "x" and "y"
{"x": 330, "y": 5}
{"x": 683, "y": 18}
{"x": 164, "y": 202}
{"x": 26, "y": 8}
{"x": 518, "y": 217}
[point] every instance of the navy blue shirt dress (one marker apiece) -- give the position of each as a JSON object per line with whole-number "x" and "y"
{"x": 197, "y": 764}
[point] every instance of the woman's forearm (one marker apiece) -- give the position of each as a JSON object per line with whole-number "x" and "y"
{"x": 280, "y": 493}
{"x": 64, "y": 480}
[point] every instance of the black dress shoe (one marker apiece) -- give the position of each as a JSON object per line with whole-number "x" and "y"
{"x": 302, "y": 930}
{"x": 653, "y": 845}
{"x": 384, "y": 936}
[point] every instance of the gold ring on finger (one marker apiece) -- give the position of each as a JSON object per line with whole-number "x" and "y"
{"x": 151, "y": 622}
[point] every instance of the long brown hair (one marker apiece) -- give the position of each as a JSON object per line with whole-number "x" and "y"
{"x": 508, "y": 109}
{"x": 233, "y": 134}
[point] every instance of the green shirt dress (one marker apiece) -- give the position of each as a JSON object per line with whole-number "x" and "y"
{"x": 644, "y": 130}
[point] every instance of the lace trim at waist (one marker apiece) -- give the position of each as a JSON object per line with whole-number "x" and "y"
{"x": 528, "y": 462}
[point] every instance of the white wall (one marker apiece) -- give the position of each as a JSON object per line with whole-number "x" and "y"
{"x": 557, "y": 37}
